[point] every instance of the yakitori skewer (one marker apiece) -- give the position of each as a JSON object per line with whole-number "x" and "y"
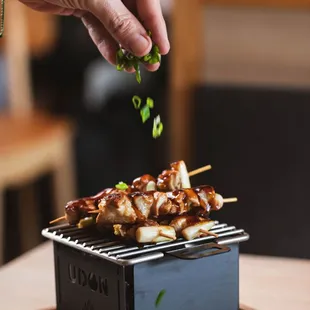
{"x": 175, "y": 178}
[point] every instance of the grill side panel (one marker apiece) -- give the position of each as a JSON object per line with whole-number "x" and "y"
{"x": 207, "y": 283}
{"x": 86, "y": 282}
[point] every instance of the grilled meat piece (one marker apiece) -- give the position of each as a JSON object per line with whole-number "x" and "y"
{"x": 155, "y": 234}
{"x": 128, "y": 231}
{"x": 116, "y": 209}
{"x": 144, "y": 183}
{"x": 183, "y": 221}
{"x": 181, "y": 168}
{"x": 169, "y": 180}
{"x": 197, "y": 230}
{"x": 142, "y": 203}
{"x": 78, "y": 209}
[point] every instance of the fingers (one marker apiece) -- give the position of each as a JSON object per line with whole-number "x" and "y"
{"x": 123, "y": 26}
{"x": 151, "y": 16}
{"x": 101, "y": 37}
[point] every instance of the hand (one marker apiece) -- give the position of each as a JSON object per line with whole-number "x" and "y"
{"x": 113, "y": 22}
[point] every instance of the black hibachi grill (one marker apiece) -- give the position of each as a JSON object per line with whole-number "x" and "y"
{"x": 96, "y": 273}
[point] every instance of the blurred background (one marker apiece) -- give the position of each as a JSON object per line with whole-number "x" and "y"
{"x": 233, "y": 92}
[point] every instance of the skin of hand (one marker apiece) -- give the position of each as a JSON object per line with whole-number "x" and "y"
{"x": 113, "y": 22}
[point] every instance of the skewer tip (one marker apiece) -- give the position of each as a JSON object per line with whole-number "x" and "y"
{"x": 207, "y": 232}
{"x": 58, "y": 219}
{"x": 228, "y": 200}
{"x": 199, "y": 170}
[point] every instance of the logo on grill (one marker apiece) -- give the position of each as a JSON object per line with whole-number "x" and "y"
{"x": 83, "y": 278}
{"x": 88, "y": 306}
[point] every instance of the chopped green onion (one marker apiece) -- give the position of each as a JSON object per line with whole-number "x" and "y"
{"x": 150, "y": 102}
{"x": 86, "y": 222}
{"x": 120, "y": 60}
{"x": 119, "y": 67}
{"x": 149, "y": 33}
{"x": 156, "y": 49}
{"x": 136, "y": 100}
{"x": 121, "y": 186}
{"x": 138, "y": 74}
{"x": 130, "y": 56}
{"x": 158, "y": 127}
{"x": 120, "y": 54}
{"x": 159, "y": 297}
{"x": 145, "y": 113}
{"x": 147, "y": 57}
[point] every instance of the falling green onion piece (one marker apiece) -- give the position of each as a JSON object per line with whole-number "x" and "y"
{"x": 145, "y": 113}
{"x": 136, "y": 100}
{"x": 150, "y": 102}
{"x": 159, "y": 298}
{"x": 158, "y": 127}
{"x": 121, "y": 186}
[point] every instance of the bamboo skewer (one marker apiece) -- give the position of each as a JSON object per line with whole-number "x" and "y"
{"x": 166, "y": 236}
{"x": 208, "y": 233}
{"x": 199, "y": 170}
{"x": 58, "y": 219}
{"x": 190, "y": 174}
{"x": 225, "y": 200}
{"x": 94, "y": 211}
{"x": 228, "y": 200}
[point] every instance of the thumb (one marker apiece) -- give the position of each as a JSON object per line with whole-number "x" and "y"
{"x": 123, "y": 26}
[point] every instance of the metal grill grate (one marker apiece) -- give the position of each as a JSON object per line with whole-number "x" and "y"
{"x": 124, "y": 254}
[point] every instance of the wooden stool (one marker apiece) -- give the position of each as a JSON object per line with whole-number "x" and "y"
{"x": 30, "y": 148}
{"x": 31, "y": 143}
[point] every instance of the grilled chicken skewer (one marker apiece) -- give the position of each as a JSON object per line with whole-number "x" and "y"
{"x": 191, "y": 227}
{"x": 122, "y": 208}
{"x": 186, "y": 226}
{"x": 78, "y": 209}
{"x": 175, "y": 178}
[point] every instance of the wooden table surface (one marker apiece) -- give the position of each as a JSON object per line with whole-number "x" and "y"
{"x": 266, "y": 283}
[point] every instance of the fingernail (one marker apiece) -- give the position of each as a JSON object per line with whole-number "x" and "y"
{"x": 139, "y": 45}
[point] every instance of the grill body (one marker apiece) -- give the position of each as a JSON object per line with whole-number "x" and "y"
{"x": 86, "y": 282}
{"x": 92, "y": 273}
